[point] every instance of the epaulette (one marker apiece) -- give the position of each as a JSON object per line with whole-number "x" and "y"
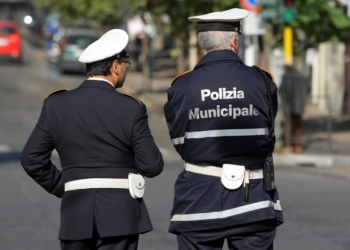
{"x": 269, "y": 73}
{"x": 56, "y": 91}
{"x": 171, "y": 84}
{"x": 133, "y": 97}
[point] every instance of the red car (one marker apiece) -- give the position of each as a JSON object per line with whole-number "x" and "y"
{"x": 10, "y": 40}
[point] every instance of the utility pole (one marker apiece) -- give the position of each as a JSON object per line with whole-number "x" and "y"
{"x": 192, "y": 55}
{"x": 288, "y": 45}
{"x": 288, "y": 17}
{"x": 253, "y": 27}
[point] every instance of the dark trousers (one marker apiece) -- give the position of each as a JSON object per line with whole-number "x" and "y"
{"x": 253, "y": 236}
{"x": 293, "y": 131}
{"x": 128, "y": 242}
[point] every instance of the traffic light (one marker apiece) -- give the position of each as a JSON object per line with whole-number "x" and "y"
{"x": 283, "y": 11}
{"x": 289, "y": 11}
{"x": 289, "y": 3}
{"x": 273, "y": 10}
{"x": 268, "y": 9}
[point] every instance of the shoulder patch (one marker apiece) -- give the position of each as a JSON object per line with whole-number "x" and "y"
{"x": 56, "y": 91}
{"x": 271, "y": 76}
{"x": 133, "y": 98}
{"x": 171, "y": 84}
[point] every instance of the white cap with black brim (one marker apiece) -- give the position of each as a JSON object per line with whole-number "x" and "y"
{"x": 228, "y": 20}
{"x": 110, "y": 45}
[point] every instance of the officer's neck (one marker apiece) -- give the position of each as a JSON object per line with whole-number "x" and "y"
{"x": 108, "y": 78}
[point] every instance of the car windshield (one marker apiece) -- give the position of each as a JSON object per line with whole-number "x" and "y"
{"x": 81, "y": 41}
{"x": 6, "y": 30}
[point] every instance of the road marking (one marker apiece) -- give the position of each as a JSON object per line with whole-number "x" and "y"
{"x": 303, "y": 159}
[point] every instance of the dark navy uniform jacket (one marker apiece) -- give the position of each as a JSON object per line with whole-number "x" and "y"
{"x": 98, "y": 133}
{"x": 218, "y": 113}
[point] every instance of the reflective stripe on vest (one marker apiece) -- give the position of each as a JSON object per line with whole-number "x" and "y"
{"x": 220, "y": 133}
{"x": 227, "y": 213}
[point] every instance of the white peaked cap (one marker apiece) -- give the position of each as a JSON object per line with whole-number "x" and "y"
{"x": 228, "y": 20}
{"x": 232, "y": 15}
{"x": 111, "y": 43}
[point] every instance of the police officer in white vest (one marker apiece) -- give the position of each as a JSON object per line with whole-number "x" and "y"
{"x": 220, "y": 119}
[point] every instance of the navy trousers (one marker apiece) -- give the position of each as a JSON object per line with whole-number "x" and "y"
{"x": 128, "y": 242}
{"x": 254, "y": 236}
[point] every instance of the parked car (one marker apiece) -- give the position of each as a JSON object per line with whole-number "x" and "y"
{"x": 10, "y": 41}
{"x": 72, "y": 44}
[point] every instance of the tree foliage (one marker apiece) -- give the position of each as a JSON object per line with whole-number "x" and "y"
{"x": 316, "y": 20}
{"x": 103, "y": 12}
{"x": 180, "y": 10}
{"x": 320, "y": 21}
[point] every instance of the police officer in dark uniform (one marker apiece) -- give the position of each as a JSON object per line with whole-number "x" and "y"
{"x": 105, "y": 148}
{"x": 218, "y": 118}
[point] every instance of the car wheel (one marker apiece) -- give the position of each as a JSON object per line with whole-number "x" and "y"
{"x": 60, "y": 69}
{"x": 18, "y": 60}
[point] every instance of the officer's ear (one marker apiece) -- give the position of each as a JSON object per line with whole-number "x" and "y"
{"x": 115, "y": 67}
{"x": 234, "y": 44}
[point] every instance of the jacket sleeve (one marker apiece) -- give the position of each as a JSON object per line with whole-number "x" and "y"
{"x": 169, "y": 112}
{"x": 177, "y": 121}
{"x": 35, "y": 158}
{"x": 148, "y": 158}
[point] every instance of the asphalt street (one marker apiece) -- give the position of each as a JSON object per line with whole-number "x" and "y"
{"x": 315, "y": 205}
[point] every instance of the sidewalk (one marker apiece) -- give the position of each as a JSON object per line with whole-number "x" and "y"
{"x": 152, "y": 92}
{"x": 325, "y": 145}
{"x": 317, "y": 141}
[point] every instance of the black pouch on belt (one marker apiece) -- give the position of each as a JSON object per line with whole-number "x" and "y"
{"x": 269, "y": 174}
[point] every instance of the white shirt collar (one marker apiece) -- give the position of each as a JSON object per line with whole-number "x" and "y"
{"x": 101, "y": 79}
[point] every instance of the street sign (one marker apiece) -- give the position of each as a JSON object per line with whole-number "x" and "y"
{"x": 254, "y": 24}
{"x": 251, "y": 5}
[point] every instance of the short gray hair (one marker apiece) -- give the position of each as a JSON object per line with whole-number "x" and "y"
{"x": 215, "y": 40}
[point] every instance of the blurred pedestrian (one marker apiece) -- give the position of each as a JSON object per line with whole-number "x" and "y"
{"x": 105, "y": 148}
{"x": 294, "y": 91}
{"x": 220, "y": 120}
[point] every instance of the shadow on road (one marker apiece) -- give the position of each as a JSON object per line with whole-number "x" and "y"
{"x": 9, "y": 156}
{"x": 4, "y": 61}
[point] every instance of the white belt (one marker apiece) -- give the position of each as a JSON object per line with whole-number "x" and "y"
{"x": 216, "y": 171}
{"x": 96, "y": 183}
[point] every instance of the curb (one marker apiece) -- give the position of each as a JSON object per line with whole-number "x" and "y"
{"x": 342, "y": 160}
{"x": 321, "y": 161}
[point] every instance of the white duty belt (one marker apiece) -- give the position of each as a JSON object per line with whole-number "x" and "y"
{"x": 135, "y": 184}
{"x": 96, "y": 183}
{"x": 217, "y": 171}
